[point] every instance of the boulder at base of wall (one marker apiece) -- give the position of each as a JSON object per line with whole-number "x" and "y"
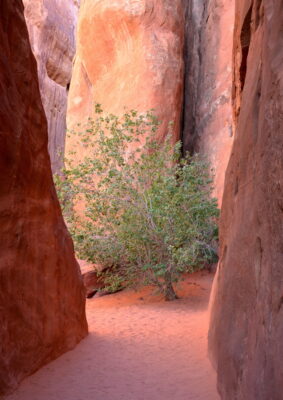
{"x": 92, "y": 281}
{"x": 129, "y": 54}
{"x": 51, "y": 25}
{"x": 42, "y": 297}
{"x": 246, "y": 331}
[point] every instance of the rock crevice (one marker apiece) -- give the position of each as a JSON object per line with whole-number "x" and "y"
{"x": 208, "y": 122}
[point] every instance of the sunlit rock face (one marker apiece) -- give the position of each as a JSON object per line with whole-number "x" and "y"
{"x": 51, "y": 25}
{"x": 208, "y": 126}
{"x": 41, "y": 296}
{"x": 246, "y": 333}
{"x": 129, "y": 55}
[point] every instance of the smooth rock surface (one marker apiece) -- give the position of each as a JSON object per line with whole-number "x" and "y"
{"x": 129, "y": 54}
{"x": 42, "y": 296}
{"x": 51, "y": 25}
{"x": 208, "y": 122}
{"x": 246, "y": 332}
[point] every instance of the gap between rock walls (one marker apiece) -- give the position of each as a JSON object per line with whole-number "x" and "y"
{"x": 213, "y": 68}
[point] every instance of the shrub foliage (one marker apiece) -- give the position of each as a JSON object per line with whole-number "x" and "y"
{"x": 146, "y": 213}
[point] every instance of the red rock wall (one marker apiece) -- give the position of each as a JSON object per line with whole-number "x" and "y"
{"x": 246, "y": 332}
{"x": 129, "y": 54}
{"x": 51, "y": 25}
{"x": 208, "y": 122}
{"x": 41, "y": 297}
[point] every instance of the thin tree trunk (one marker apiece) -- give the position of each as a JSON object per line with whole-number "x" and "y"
{"x": 169, "y": 290}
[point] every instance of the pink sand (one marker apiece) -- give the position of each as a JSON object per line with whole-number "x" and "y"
{"x": 139, "y": 348}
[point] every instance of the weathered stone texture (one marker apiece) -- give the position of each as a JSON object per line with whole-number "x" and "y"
{"x": 41, "y": 296}
{"x": 208, "y": 126}
{"x": 246, "y": 333}
{"x": 51, "y": 25}
{"x": 129, "y": 55}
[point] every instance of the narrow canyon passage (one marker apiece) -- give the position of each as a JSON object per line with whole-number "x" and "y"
{"x": 139, "y": 348}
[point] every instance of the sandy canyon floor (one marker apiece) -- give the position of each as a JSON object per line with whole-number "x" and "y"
{"x": 139, "y": 348}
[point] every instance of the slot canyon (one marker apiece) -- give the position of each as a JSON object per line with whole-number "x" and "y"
{"x": 215, "y": 69}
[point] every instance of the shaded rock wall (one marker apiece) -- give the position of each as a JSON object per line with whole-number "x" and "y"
{"x": 41, "y": 297}
{"x": 51, "y": 25}
{"x": 208, "y": 122}
{"x": 129, "y": 54}
{"x": 247, "y": 316}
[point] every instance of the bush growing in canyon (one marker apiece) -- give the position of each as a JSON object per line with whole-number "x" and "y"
{"x": 148, "y": 215}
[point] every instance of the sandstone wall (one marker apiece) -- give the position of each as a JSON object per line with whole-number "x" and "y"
{"x": 41, "y": 296}
{"x": 247, "y": 317}
{"x": 51, "y": 25}
{"x": 208, "y": 122}
{"x": 129, "y": 54}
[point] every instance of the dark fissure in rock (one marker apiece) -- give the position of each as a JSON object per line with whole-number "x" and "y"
{"x": 245, "y": 45}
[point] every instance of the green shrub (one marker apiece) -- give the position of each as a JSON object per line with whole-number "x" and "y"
{"x": 148, "y": 212}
